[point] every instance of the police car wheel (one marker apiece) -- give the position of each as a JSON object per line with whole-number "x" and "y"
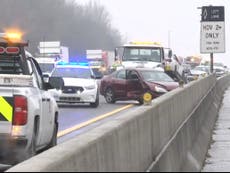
{"x": 109, "y": 96}
{"x": 96, "y": 103}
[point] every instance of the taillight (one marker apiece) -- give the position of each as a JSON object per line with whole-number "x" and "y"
{"x": 9, "y": 50}
{"x": 12, "y": 50}
{"x": 20, "y": 111}
{"x": 2, "y": 50}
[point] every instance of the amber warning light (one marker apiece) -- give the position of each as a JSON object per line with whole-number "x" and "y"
{"x": 11, "y": 36}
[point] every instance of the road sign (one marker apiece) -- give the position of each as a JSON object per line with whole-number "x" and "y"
{"x": 212, "y": 30}
{"x": 212, "y": 13}
{"x": 212, "y": 37}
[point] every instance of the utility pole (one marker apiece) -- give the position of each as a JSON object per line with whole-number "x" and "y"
{"x": 211, "y": 62}
{"x": 169, "y": 38}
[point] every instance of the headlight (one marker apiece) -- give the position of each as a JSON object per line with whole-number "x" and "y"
{"x": 203, "y": 75}
{"x": 90, "y": 87}
{"x": 160, "y": 89}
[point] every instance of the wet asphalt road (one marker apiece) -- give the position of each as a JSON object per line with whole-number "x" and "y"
{"x": 73, "y": 115}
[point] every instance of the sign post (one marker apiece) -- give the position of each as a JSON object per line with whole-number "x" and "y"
{"x": 212, "y": 31}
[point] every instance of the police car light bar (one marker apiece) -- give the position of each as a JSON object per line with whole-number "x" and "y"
{"x": 73, "y": 64}
{"x": 16, "y": 80}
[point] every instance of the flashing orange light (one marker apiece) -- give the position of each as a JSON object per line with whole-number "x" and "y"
{"x": 14, "y": 36}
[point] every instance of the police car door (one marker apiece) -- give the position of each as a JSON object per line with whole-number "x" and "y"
{"x": 45, "y": 117}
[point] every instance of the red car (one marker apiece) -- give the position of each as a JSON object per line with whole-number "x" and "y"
{"x": 131, "y": 84}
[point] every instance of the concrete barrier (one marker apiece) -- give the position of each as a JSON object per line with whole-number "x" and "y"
{"x": 171, "y": 135}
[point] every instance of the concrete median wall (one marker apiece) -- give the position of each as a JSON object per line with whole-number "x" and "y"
{"x": 171, "y": 135}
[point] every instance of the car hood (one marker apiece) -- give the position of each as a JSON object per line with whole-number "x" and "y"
{"x": 140, "y": 64}
{"x": 78, "y": 82}
{"x": 167, "y": 85}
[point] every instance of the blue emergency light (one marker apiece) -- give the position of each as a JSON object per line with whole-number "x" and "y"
{"x": 73, "y": 64}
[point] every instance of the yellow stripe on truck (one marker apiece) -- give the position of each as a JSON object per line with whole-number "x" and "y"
{"x": 6, "y": 109}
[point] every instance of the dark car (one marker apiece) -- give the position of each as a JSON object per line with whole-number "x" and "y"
{"x": 132, "y": 84}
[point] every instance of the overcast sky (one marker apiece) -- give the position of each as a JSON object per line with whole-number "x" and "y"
{"x": 174, "y": 23}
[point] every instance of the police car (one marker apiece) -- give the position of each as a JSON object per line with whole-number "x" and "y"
{"x": 28, "y": 112}
{"x": 77, "y": 84}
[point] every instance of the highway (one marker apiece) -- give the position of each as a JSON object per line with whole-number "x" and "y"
{"x": 79, "y": 118}
{"x": 76, "y": 119}
{"x": 152, "y": 126}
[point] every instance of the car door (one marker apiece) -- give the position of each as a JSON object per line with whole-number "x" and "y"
{"x": 134, "y": 86}
{"x": 119, "y": 84}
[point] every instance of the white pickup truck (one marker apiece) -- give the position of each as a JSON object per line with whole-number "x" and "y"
{"x": 28, "y": 113}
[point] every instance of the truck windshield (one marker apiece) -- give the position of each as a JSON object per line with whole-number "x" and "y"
{"x": 83, "y": 73}
{"x": 142, "y": 54}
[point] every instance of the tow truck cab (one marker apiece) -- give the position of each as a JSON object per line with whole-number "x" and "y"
{"x": 28, "y": 113}
{"x": 148, "y": 55}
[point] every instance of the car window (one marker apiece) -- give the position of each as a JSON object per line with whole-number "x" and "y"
{"x": 121, "y": 74}
{"x": 38, "y": 74}
{"x": 132, "y": 74}
{"x": 12, "y": 63}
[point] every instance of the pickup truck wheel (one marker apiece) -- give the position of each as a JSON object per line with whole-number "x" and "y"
{"x": 109, "y": 96}
{"x": 32, "y": 148}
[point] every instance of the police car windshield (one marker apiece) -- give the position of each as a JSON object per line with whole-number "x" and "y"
{"x": 156, "y": 76}
{"x": 66, "y": 72}
{"x": 142, "y": 54}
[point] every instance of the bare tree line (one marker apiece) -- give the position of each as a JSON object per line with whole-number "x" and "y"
{"x": 77, "y": 27}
